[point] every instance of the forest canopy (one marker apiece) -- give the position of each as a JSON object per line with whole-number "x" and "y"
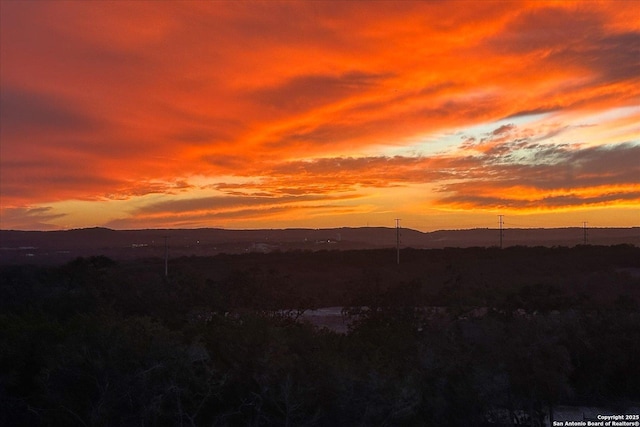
{"x": 448, "y": 337}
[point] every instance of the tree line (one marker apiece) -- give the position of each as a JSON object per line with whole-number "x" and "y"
{"x": 444, "y": 340}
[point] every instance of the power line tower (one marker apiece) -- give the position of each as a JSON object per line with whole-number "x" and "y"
{"x": 166, "y": 256}
{"x": 584, "y": 231}
{"x": 501, "y": 229}
{"x": 398, "y": 240}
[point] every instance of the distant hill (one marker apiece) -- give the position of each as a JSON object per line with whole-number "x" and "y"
{"x": 59, "y": 246}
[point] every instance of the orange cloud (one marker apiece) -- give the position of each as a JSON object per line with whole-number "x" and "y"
{"x": 122, "y": 101}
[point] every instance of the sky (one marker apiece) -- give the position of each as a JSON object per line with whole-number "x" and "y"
{"x": 268, "y": 114}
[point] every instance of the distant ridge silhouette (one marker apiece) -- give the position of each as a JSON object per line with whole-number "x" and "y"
{"x": 59, "y": 246}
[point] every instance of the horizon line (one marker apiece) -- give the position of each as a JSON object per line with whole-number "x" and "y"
{"x": 319, "y": 228}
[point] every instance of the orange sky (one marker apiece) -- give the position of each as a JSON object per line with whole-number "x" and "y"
{"x": 319, "y": 114}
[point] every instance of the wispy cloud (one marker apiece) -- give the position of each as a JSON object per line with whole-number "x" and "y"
{"x": 26, "y": 218}
{"x": 301, "y": 103}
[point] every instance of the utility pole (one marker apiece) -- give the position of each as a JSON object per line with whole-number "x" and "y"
{"x": 166, "y": 256}
{"x": 398, "y": 239}
{"x": 584, "y": 229}
{"x": 501, "y": 222}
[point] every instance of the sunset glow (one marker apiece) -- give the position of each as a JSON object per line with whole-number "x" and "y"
{"x": 180, "y": 114}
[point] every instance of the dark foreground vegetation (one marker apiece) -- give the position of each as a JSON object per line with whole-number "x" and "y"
{"x": 451, "y": 337}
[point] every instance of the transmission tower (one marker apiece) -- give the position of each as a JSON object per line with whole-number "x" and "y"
{"x": 166, "y": 256}
{"x": 584, "y": 231}
{"x": 501, "y": 224}
{"x": 398, "y": 240}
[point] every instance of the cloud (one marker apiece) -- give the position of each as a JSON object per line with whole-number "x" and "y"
{"x": 195, "y": 219}
{"x": 228, "y": 203}
{"x": 38, "y": 113}
{"x": 568, "y": 178}
{"x": 573, "y": 37}
{"x": 29, "y": 218}
{"x": 24, "y": 181}
{"x": 614, "y": 57}
{"x": 571, "y": 200}
{"x": 533, "y": 112}
{"x": 304, "y": 93}
{"x": 486, "y": 179}
{"x": 145, "y": 188}
{"x": 502, "y": 129}
{"x": 576, "y": 47}
{"x": 118, "y": 101}
{"x": 228, "y": 210}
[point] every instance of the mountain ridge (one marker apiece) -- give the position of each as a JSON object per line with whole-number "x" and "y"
{"x": 62, "y": 245}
